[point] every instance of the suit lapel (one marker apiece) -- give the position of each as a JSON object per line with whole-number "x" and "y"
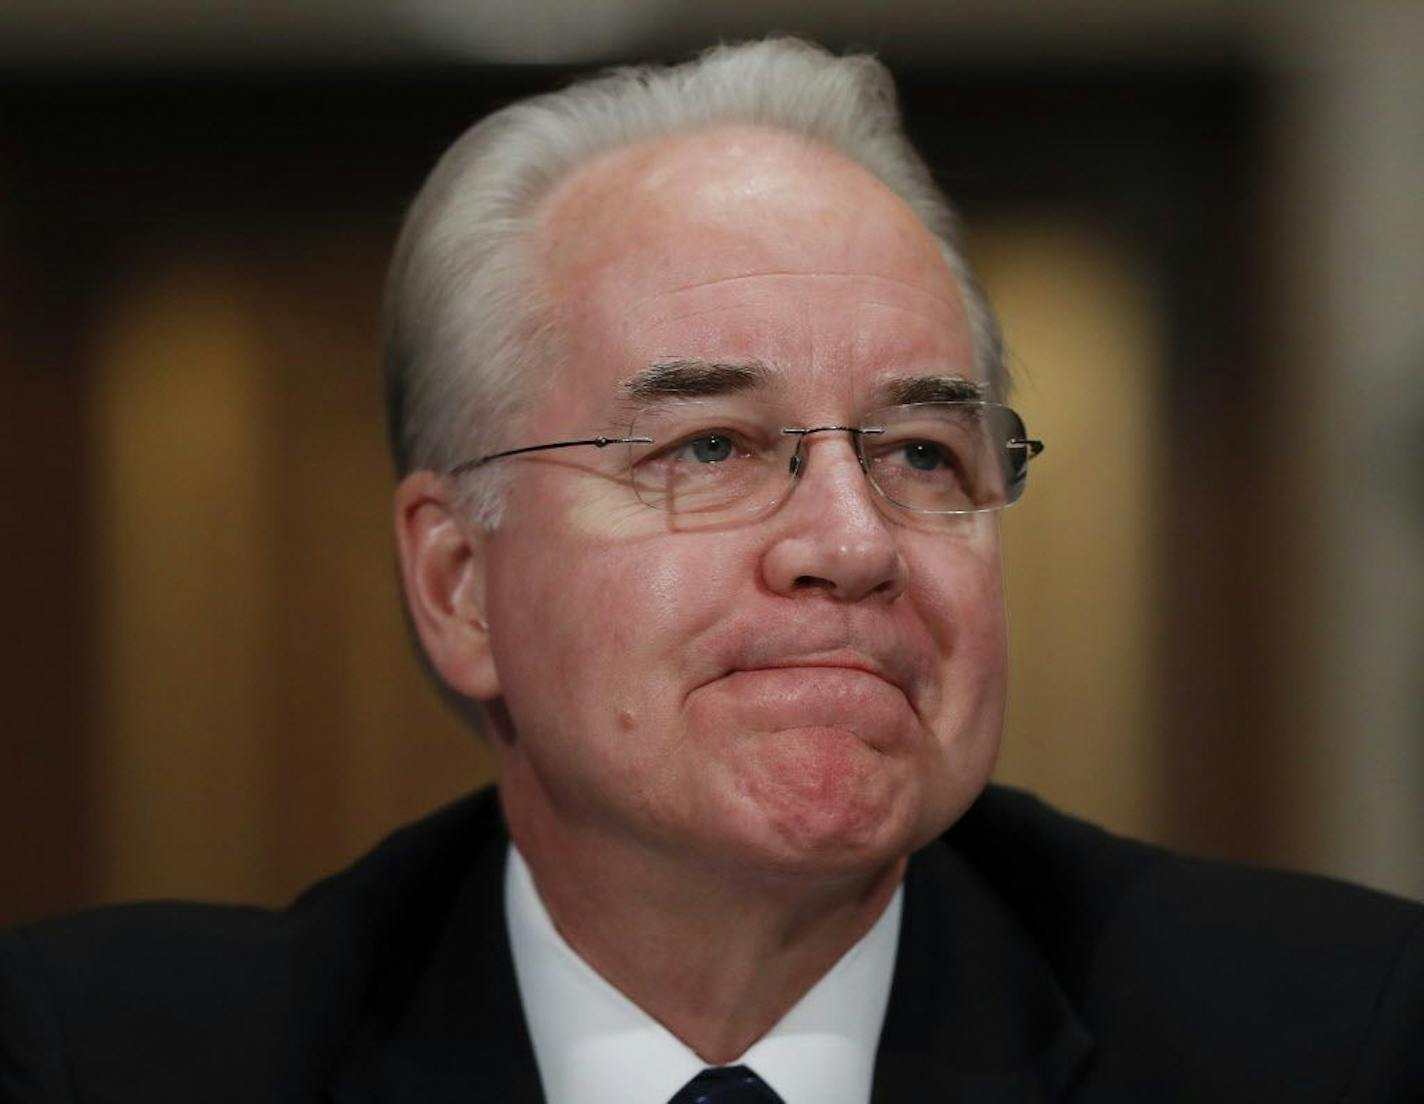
{"x": 975, "y": 1012}
{"x": 975, "y": 1015}
{"x": 449, "y": 1028}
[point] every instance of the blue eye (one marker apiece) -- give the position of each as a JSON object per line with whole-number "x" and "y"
{"x": 924, "y": 456}
{"x": 711, "y": 448}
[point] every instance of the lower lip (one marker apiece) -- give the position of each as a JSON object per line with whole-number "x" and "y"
{"x": 842, "y": 698}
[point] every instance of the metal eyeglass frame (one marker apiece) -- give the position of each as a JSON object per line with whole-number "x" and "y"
{"x": 1032, "y": 445}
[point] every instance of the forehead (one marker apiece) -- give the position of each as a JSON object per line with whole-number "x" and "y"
{"x": 744, "y": 244}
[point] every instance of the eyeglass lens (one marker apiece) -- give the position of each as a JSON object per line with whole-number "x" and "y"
{"x": 726, "y": 456}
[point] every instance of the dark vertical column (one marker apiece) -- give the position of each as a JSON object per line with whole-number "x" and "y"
{"x": 45, "y": 647}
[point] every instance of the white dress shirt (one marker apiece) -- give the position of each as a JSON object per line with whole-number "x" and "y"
{"x": 595, "y": 1046}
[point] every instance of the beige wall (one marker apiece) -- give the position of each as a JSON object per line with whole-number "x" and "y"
{"x": 1081, "y": 551}
{"x": 261, "y": 718}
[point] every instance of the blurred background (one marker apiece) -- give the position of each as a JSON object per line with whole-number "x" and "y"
{"x": 1201, "y": 222}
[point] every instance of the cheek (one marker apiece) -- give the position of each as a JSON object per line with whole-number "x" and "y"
{"x": 959, "y": 595}
{"x": 958, "y": 586}
{"x": 605, "y": 632}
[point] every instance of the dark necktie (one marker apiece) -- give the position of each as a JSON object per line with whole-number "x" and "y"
{"x": 726, "y": 1085}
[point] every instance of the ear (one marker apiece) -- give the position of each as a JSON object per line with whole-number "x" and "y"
{"x": 442, "y": 561}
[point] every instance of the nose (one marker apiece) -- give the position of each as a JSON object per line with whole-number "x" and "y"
{"x": 829, "y": 536}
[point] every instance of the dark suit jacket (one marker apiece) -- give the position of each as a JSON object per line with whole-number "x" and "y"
{"x": 1040, "y": 959}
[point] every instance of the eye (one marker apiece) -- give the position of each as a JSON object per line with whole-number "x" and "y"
{"x": 710, "y": 448}
{"x": 925, "y": 456}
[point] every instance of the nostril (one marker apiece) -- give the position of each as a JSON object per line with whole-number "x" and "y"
{"x": 812, "y": 582}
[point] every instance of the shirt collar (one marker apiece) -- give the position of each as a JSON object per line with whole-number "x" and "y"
{"x": 595, "y": 1046}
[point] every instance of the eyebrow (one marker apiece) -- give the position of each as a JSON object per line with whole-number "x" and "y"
{"x": 692, "y": 377}
{"x": 919, "y": 389}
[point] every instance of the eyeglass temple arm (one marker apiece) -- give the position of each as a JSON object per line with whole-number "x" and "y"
{"x": 596, "y": 442}
{"x": 1034, "y": 447}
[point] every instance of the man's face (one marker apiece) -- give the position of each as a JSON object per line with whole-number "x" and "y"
{"x": 819, "y": 689}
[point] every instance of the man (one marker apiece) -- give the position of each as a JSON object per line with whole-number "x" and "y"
{"x": 695, "y": 404}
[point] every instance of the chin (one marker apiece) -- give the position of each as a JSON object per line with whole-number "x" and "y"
{"x": 826, "y": 813}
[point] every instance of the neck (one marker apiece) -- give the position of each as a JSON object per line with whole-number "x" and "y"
{"x": 716, "y": 956}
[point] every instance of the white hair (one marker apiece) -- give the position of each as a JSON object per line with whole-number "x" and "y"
{"x": 466, "y": 316}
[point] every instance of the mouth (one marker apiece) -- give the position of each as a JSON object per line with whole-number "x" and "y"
{"x": 828, "y": 663}
{"x": 804, "y": 659}
{"x": 830, "y": 698}
{"x": 841, "y": 685}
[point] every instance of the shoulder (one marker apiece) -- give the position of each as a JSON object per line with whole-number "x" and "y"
{"x": 144, "y": 994}
{"x": 252, "y": 1003}
{"x": 1215, "y": 973}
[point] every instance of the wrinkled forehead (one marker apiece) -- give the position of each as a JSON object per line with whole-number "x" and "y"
{"x": 822, "y": 322}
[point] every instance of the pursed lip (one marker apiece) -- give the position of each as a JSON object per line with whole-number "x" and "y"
{"x": 835, "y": 661}
{"x": 872, "y": 646}
{"x": 842, "y": 663}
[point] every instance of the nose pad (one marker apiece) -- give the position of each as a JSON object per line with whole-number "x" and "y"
{"x": 796, "y": 464}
